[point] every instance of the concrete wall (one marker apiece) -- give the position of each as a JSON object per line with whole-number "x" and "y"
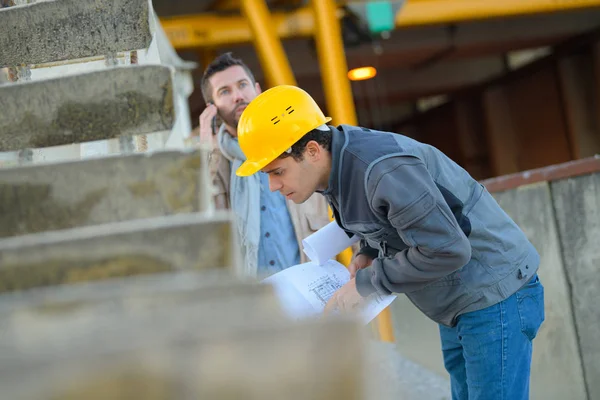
{"x": 145, "y": 38}
{"x": 558, "y": 208}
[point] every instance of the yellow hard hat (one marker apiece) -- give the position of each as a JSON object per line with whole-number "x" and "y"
{"x": 273, "y": 122}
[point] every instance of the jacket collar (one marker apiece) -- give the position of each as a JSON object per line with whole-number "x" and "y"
{"x": 338, "y": 142}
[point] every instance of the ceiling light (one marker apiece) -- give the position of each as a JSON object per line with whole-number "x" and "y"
{"x": 362, "y": 73}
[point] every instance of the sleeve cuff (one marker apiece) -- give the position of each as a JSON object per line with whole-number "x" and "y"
{"x": 363, "y": 282}
{"x": 369, "y": 252}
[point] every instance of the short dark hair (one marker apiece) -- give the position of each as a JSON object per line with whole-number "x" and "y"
{"x": 221, "y": 63}
{"x": 321, "y": 137}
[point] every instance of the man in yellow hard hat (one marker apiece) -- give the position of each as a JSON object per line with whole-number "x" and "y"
{"x": 432, "y": 231}
{"x": 270, "y": 228}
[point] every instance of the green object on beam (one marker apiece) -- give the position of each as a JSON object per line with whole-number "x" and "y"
{"x": 380, "y": 16}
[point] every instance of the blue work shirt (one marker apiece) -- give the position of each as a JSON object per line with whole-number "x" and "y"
{"x": 278, "y": 247}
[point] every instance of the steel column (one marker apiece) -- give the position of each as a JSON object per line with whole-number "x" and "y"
{"x": 270, "y": 51}
{"x": 332, "y": 59}
{"x": 340, "y": 102}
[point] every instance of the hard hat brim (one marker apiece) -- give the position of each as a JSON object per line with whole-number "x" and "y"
{"x": 249, "y": 167}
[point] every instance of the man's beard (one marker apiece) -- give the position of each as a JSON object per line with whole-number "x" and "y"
{"x": 230, "y": 118}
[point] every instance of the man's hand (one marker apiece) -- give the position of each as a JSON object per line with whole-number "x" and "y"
{"x": 359, "y": 262}
{"x": 206, "y": 129}
{"x": 346, "y": 299}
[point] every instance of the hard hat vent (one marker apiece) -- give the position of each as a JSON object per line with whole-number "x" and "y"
{"x": 275, "y": 120}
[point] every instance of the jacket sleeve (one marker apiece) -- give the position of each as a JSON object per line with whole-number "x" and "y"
{"x": 401, "y": 191}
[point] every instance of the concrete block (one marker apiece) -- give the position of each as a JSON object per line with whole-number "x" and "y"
{"x": 49, "y": 197}
{"x": 130, "y": 295}
{"x": 63, "y": 315}
{"x": 58, "y": 30}
{"x": 177, "y": 359}
{"x": 556, "y": 371}
{"x": 85, "y": 107}
{"x": 577, "y": 207}
{"x": 162, "y": 244}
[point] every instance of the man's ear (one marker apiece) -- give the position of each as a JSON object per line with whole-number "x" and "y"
{"x": 313, "y": 150}
{"x": 257, "y": 88}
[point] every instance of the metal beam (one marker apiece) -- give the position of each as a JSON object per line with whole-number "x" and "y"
{"x": 209, "y": 30}
{"x": 206, "y": 30}
{"x": 430, "y": 12}
{"x": 332, "y": 59}
{"x": 267, "y": 43}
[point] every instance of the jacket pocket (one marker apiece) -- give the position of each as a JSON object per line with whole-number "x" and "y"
{"x": 530, "y": 303}
{"x": 423, "y": 223}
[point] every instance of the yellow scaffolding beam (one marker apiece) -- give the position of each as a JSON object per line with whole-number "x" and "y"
{"x": 431, "y": 12}
{"x": 332, "y": 59}
{"x": 340, "y": 103}
{"x": 209, "y": 30}
{"x": 267, "y": 43}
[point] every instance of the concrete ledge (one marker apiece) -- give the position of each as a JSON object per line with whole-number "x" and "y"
{"x": 577, "y": 209}
{"x": 86, "y": 107}
{"x": 178, "y": 354}
{"x": 49, "y": 197}
{"x": 163, "y": 244}
{"x": 65, "y": 299}
{"x": 57, "y": 30}
{"x": 556, "y": 370}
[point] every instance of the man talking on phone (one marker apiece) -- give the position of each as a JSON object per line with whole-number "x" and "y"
{"x": 270, "y": 227}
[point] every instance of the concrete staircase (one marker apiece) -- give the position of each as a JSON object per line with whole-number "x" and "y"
{"x": 117, "y": 278}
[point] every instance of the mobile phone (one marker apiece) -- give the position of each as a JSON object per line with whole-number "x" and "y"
{"x": 215, "y": 123}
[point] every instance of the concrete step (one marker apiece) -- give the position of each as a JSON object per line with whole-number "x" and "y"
{"x": 40, "y": 198}
{"x": 173, "y": 355}
{"x": 57, "y": 30}
{"x": 70, "y": 307}
{"x": 86, "y": 107}
{"x": 125, "y": 294}
{"x": 67, "y": 313}
{"x": 180, "y": 242}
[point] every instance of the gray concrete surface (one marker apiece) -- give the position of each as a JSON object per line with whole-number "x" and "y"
{"x": 577, "y": 208}
{"x": 85, "y": 107}
{"x": 417, "y": 337}
{"x": 28, "y": 311}
{"x": 180, "y": 358}
{"x": 162, "y": 244}
{"x": 556, "y": 371}
{"x": 66, "y": 195}
{"x": 58, "y": 30}
{"x": 392, "y": 376}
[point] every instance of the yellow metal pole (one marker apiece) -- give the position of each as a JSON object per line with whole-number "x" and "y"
{"x": 267, "y": 43}
{"x": 330, "y": 49}
{"x": 419, "y": 13}
{"x": 340, "y": 103}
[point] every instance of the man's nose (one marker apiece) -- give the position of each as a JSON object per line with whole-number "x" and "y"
{"x": 237, "y": 95}
{"x": 274, "y": 185}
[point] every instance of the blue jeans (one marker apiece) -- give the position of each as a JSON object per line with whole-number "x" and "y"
{"x": 488, "y": 352}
